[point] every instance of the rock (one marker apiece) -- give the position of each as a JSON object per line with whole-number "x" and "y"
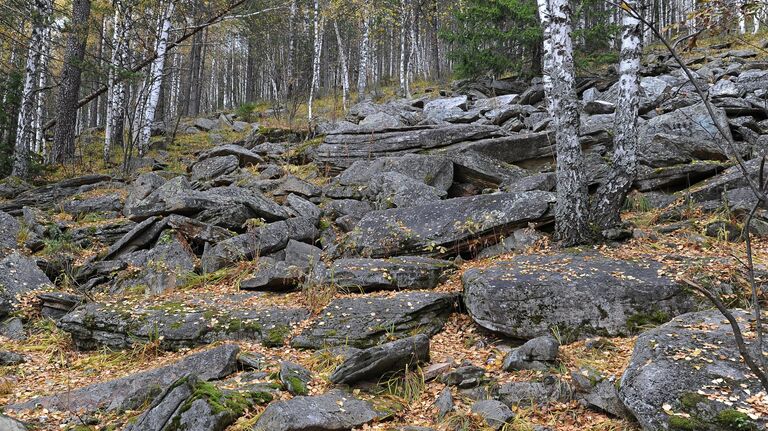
{"x": 664, "y": 392}
{"x": 19, "y": 275}
{"x": 653, "y": 91}
{"x": 448, "y": 227}
{"x": 376, "y": 361}
{"x": 106, "y": 233}
{"x": 537, "y": 354}
{"x": 598, "y": 392}
{"x": 725, "y": 88}
{"x": 677, "y": 176}
{"x": 683, "y": 135}
{"x": 260, "y": 241}
{"x": 166, "y": 266}
{"x": 444, "y": 402}
{"x": 340, "y": 150}
{"x": 295, "y": 378}
{"x": 10, "y": 358}
{"x": 293, "y": 185}
{"x": 581, "y": 294}
{"x": 364, "y": 322}
{"x": 271, "y": 275}
{"x": 752, "y": 80}
{"x": 11, "y": 424}
{"x": 599, "y": 107}
{"x": 481, "y": 170}
{"x": 495, "y": 413}
{"x": 214, "y": 167}
{"x": 10, "y": 228}
{"x": 334, "y": 411}
{"x": 142, "y": 187}
{"x": 13, "y": 328}
{"x": 132, "y": 391}
{"x": 391, "y": 189}
{"x": 245, "y": 156}
{"x": 446, "y": 109}
{"x": 302, "y": 207}
{"x": 100, "y": 204}
{"x": 55, "y": 305}
{"x": 176, "y": 325}
{"x": 514, "y": 148}
{"x": 435, "y": 171}
{"x": 468, "y": 376}
{"x": 520, "y": 240}
{"x": 550, "y": 389}
{"x": 205, "y": 124}
{"x": 724, "y": 230}
{"x": 379, "y": 121}
{"x": 302, "y": 255}
{"x": 396, "y": 273}
{"x": 232, "y": 207}
{"x": 46, "y": 196}
{"x": 193, "y": 405}
{"x": 251, "y": 361}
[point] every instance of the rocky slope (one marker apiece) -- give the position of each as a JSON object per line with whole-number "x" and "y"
{"x": 320, "y": 270}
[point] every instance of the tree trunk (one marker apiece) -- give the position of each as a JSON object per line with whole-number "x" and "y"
{"x": 116, "y": 96}
{"x": 155, "y": 79}
{"x": 571, "y": 212}
{"x": 362, "y": 77}
{"x": 404, "y": 90}
{"x": 24, "y": 132}
{"x": 606, "y": 212}
{"x": 544, "y": 16}
{"x": 318, "y": 49}
{"x": 64, "y": 135}
{"x": 344, "y": 67}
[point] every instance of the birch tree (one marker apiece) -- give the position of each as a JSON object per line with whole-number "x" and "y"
{"x": 24, "y": 133}
{"x": 344, "y": 66}
{"x": 543, "y": 7}
{"x": 571, "y": 211}
{"x": 362, "y": 77}
{"x": 318, "y": 23}
{"x": 404, "y": 90}
{"x": 610, "y": 196}
{"x": 155, "y": 78}
{"x": 116, "y": 94}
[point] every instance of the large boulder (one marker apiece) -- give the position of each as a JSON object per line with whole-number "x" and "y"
{"x": 396, "y": 273}
{"x": 19, "y": 275}
{"x": 106, "y": 203}
{"x": 448, "y": 227}
{"x": 210, "y": 169}
{"x": 364, "y": 322}
{"x": 376, "y": 361}
{"x": 133, "y": 391}
{"x": 9, "y": 239}
{"x": 45, "y": 196}
{"x": 578, "y": 294}
{"x": 688, "y": 375}
{"x": 436, "y": 171}
{"x": 245, "y": 156}
{"x": 177, "y": 325}
{"x": 448, "y": 110}
{"x": 334, "y": 411}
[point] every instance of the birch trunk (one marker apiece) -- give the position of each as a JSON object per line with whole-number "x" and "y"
{"x": 571, "y": 212}
{"x": 344, "y": 67}
{"x": 606, "y": 212}
{"x": 362, "y": 77}
{"x": 741, "y": 5}
{"x": 114, "y": 129}
{"x": 43, "y": 10}
{"x": 404, "y": 91}
{"x": 39, "y": 143}
{"x": 291, "y": 50}
{"x": 155, "y": 78}
{"x": 544, "y": 15}
{"x": 318, "y": 49}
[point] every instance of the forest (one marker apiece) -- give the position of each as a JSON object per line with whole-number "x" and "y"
{"x": 394, "y": 215}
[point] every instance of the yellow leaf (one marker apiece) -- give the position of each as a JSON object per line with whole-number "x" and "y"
{"x": 624, "y": 5}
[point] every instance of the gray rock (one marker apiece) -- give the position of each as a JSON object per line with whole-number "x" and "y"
{"x": 9, "y": 239}
{"x": 599, "y": 393}
{"x": 544, "y": 181}
{"x": 448, "y": 227}
{"x": 435, "y": 171}
{"x": 295, "y": 378}
{"x": 55, "y": 305}
{"x": 48, "y": 195}
{"x": 446, "y": 109}
{"x": 214, "y": 167}
{"x": 677, "y": 176}
{"x": 548, "y": 390}
{"x": 176, "y": 326}
{"x": 580, "y": 294}
{"x": 131, "y": 392}
{"x": 11, "y": 424}
{"x": 205, "y": 124}
{"x": 725, "y": 88}
{"x": 293, "y": 185}
{"x": 106, "y": 233}
{"x": 100, "y": 204}
{"x": 514, "y": 148}
{"x": 19, "y": 275}
{"x": 10, "y": 358}
{"x": 444, "y": 402}
{"x": 468, "y": 376}
{"x": 364, "y": 322}
{"x": 392, "y": 189}
{"x": 260, "y": 241}
{"x": 302, "y": 207}
{"x": 244, "y": 155}
{"x": 396, "y": 273}
{"x": 653, "y": 90}
{"x": 272, "y": 275}
{"x": 599, "y": 107}
{"x": 13, "y": 328}
{"x": 376, "y": 361}
{"x": 165, "y": 267}
{"x": 495, "y": 413}
{"x": 537, "y": 354}
{"x": 752, "y": 80}
{"x": 520, "y": 240}
{"x": 483, "y": 171}
{"x": 379, "y": 121}
{"x": 334, "y": 411}
{"x": 687, "y": 365}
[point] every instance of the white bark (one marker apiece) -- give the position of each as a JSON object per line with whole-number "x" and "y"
{"x": 318, "y": 49}
{"x": 117, "y": 88}
{"x": 362, "y": 77}
{"x": 543, "y": 7}
{"x": 610, "y": 197}
{"x": 344, "y": 66}
{"x": 24, "y": 135}
{"x": 155, "y": 78}
{"x": 39, "y": 140}
{"x": 740, "y": 5}
{"x": 404, "y": 90}
{"x": 571, "y": 212}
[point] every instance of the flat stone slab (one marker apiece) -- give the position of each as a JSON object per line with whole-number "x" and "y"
{"x": 364, "y": 322}
{"x": 395, "y": 273}
{"x": 334, "y": 411}
{"x": 580, "y": 294}
{"x": 176, "y": 325}
{"x": 688, "y": 374}
{"x": 131, "y": 392}
{"x": 449, "y": 227}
